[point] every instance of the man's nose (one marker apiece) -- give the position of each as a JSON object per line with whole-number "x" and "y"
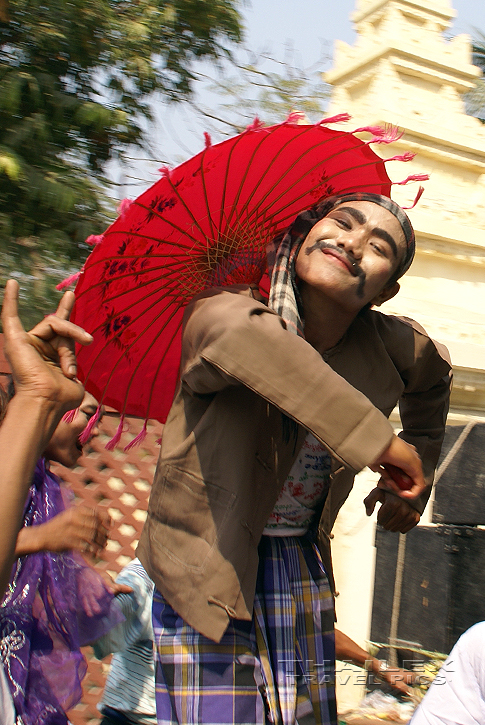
{"x": 353, "y": 242}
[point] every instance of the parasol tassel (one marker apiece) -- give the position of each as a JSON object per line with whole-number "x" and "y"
{"x": 165, "y": 172}
{"x": 339, "y": 118}
{"x": 94, "y": 239}
{"x": 123, "y": 207}
{"x": 138, "y": 439}
{"x": 416, "y": 199}
{"x": 389, "y": 135}
{"x": 111, "y": 444}
{"x": 85, "y": 435}
{"x": 381, "y": 134}
{"x": 374, "y": 130}
{"x": 68, "y": 281}
{"x": 256, "y": 125}
{"x": 70, "y": 415}
{"x": 408, "y": 156}
{"x": 413, "y": 177}
{"x": 207, "y": 140}
{"x": 296, "y": 117}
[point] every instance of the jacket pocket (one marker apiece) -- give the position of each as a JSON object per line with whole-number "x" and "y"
{"x": 189, "y": 517}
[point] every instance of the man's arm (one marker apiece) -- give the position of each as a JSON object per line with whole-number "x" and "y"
{"x": 44, "y": 369}
{"x": 425, "y": 367}
{"x": 349, "y": 651}
{"x": 423, "y": 415}
{"x": 231, "y": 339}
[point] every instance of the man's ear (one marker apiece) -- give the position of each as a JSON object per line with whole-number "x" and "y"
{"x": 386, "y": 294}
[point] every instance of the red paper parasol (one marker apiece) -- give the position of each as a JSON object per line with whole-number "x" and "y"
{"x": 205, "y": 223}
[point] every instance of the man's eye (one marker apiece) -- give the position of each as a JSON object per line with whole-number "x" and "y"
{"x": 379, "y": 249}
{"x": 344, "y": 223}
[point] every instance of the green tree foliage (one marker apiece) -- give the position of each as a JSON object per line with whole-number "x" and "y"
{"x": 76, "y": 81}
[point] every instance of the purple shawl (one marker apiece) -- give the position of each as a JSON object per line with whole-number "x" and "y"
{"x": 55, "y": 604}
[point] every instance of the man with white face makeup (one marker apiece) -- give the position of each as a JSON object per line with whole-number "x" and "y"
{"x": 279, "y": 406}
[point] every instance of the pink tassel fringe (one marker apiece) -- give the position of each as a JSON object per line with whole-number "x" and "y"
{"x": 94, "y": 239}
{"x": 123, "y": 207}
{"x": 138, "y": 439}
{"x": 256, "y": 125}
{"x": 70, "y": 415}
{"x": 413, "y": 177}
{"x": 339, "y": 118}
{"x": 165, "y": 172}
{"x": 417, "y": 198}
{"x": 374, "y": 130}
{"x": 295, "y": 117}
{"x": 408, "y": 156}
{"x": 389, "y": 134}
{"x": 68, "y": 281}
{"x": 111, "y": 444}
{"x": 85, "y": 435}
{"x": 207, "y": 140}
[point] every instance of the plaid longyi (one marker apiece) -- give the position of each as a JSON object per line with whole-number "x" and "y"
{"x": 279, "y": 668}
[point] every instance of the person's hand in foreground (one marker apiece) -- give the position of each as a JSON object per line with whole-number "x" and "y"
{"x": 404, "y": 456}
{"x": 349, "y": 651}
{"x": 79, "y": 527}
{"x": 43, "y": 361}
{"x": 44, "y": 371}
{"x": 396, "y": 512}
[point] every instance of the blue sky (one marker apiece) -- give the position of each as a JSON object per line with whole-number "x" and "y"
{"x": 309, "y": 25}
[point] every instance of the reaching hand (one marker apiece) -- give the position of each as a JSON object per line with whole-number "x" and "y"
{"x": 78, "y": 527}
{"x": 404, "y": 456}
{"x": 43, "y": 361}
{"x": 112, "y": 585}
{"x": 399, "y": 679}
{"x": 395, "y": 514}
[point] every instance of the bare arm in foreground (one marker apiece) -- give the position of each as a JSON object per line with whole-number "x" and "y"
{"x": 349, "y": 651}
{"x": 44, "y": 371}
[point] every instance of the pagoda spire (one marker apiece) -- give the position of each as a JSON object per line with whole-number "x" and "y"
{"x": 402, "y": 68}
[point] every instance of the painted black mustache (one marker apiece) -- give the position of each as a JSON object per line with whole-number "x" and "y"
{"x": 355, "y": 267}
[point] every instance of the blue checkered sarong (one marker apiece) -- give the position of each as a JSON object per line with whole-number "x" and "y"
{"x": 278, "y": 668}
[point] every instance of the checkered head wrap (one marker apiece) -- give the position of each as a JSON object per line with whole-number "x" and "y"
{"x": 282, "y": 252}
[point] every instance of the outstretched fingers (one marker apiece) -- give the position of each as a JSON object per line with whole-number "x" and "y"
{"x": 10, "y": 315}
{"x": 65, "y": 305}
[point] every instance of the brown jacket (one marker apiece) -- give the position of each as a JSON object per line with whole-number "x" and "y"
{"x": 225, "y": 453}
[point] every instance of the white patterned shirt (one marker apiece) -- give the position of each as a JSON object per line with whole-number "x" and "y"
{"x": 304, "y": 489}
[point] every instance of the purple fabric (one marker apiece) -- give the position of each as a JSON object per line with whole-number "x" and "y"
{"x": 55, "y": 604}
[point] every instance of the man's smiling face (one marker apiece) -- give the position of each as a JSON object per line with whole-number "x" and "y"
{"x": 351, "y": 254}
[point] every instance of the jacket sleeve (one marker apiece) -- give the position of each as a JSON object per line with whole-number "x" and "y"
{"x": 424, "y": 404}
{"x": 230, "y": 339}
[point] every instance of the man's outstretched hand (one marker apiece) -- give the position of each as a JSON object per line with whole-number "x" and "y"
{"x": 394, "y": 514}
{"x": 43, "y": 361}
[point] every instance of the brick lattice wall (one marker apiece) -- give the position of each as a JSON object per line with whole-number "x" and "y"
{"x": 121, "y": 482}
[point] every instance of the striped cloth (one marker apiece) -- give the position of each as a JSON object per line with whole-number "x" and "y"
{"x": 130, "y": 685}
{"x": 278, "y": 668}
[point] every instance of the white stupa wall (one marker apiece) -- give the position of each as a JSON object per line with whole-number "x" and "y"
{"x": 403, "y": 71}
